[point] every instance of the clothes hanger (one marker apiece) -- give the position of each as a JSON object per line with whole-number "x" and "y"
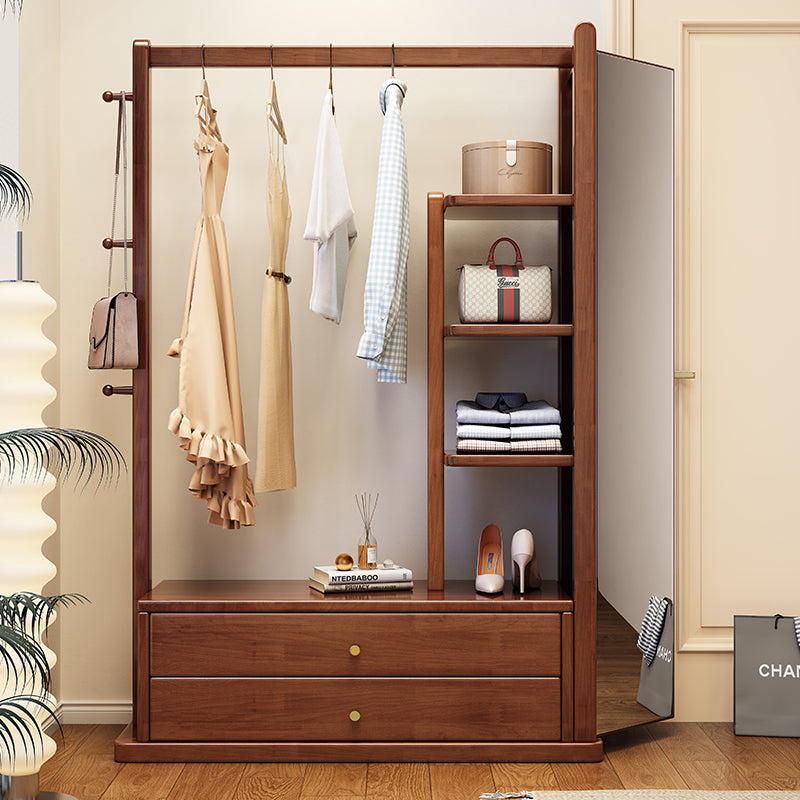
{"x": 208, "y": 123}
{"x": 273, "y": 110}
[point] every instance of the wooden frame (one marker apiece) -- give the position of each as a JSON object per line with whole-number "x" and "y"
{"x": 576, "y": 69}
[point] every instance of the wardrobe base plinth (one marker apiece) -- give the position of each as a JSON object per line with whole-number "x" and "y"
{"x": 126, "y": 749}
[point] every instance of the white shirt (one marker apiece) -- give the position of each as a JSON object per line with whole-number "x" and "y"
{"x": 330, "y": 222}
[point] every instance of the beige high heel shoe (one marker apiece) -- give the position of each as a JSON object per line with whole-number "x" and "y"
{"x": 523, "y": 557}
{"x": 489, "y": 574}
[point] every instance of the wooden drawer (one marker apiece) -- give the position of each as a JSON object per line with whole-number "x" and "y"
{"x": 256, "y": 645}
{"x": 319, "y": 709}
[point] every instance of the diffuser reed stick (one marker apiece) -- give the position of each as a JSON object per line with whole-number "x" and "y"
{"x": 367, "y": 547}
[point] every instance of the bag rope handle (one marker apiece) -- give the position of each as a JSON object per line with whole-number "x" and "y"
{"x": 517, "y": 263}
{"x": 122, "y": 146}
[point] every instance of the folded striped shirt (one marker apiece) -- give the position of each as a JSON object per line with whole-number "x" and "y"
{"x": 537, "y": 412}
{"x": 518, "y": 446}
{"x": 535, "y": 432}
{"x": 506, "y": 432}
{"x": 469, "y": 412}
{"x": 465, "y": 431}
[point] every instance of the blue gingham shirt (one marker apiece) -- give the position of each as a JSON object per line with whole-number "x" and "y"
{"x": 384, "y": 343}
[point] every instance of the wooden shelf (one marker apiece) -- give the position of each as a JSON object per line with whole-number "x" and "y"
{"x": 254, "y": 596}
{"x": 508, "y": 460}
{"x": 462, "y": 200}
{"x": 516, "y": 330}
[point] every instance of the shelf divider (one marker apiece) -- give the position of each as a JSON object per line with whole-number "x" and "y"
{"x": 453, "y": 200}
{"x": 515, "y": 330}
{"x": 508, "y": 459}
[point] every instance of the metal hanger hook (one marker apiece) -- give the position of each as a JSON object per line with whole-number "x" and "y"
{"x": 203, "y": 59}
{"x": 271, "y": 70}
{"x": 393, "y": 59}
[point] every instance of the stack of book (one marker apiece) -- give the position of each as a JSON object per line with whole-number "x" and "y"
{"x": 330, "y": 579}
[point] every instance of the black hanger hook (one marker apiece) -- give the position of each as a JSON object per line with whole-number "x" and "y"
{"x": 393, "y": 59}
{"x": 271, "y": 70}
{"x": 203, "y": 59}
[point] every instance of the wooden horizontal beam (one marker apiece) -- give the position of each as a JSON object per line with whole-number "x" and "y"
{"x": 316, "y": 56}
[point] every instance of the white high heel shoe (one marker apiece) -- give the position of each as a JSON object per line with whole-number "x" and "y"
{"x": 489, "y": 574}
{"x": 523, "y": 557}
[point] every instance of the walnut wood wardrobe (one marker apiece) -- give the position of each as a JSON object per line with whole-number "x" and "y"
{"x": 303, "y": 685}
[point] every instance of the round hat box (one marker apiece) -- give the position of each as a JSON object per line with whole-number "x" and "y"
{"x": 508, "y": 167}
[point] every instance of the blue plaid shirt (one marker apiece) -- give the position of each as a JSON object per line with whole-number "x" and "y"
{"x": 384, "y": 343}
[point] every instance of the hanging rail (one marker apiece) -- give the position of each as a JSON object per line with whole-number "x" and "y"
{"x": 311, "y": 56}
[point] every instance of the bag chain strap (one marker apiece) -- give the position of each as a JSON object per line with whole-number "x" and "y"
{"x": 122, "y": 145}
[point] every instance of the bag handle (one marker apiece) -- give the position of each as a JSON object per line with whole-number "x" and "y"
{"x": 517, "y": 263}
{"x": 122, "y": 146}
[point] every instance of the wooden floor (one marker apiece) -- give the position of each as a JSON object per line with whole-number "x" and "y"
{"x": 663, "y": 755}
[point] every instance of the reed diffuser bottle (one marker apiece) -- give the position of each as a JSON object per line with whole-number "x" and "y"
{"x": 367, "y": 547}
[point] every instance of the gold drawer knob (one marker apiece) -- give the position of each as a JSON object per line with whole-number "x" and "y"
{"x": 355, "y": 715}
{"x": 354, "y": 650}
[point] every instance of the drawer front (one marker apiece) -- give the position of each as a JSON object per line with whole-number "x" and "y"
{"x": 353, "y": 709}
{"x": 264, "y": 645}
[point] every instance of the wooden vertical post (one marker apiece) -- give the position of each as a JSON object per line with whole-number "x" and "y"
{"x": 141, "y": 377}
{"x": 584, "y": 546}
{"x": 435, "y": 391}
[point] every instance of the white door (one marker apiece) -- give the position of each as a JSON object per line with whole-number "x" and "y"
{"x": 736, "y": 305}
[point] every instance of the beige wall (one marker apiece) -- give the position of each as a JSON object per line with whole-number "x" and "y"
{"x": 351, "y": 434}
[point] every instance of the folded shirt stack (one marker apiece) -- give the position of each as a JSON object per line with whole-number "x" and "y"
{"x": 507, "y": 423}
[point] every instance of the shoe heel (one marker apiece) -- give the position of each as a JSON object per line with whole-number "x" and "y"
{"x": 522, "y": 563}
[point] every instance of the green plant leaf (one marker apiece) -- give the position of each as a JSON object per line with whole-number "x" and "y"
{"x": 15, "y": 192}
{"x": 23, "y": 657}
{"x": 17, "y": 718}
{"x": 35, "y": 452}
{"x": 32, "y": 613}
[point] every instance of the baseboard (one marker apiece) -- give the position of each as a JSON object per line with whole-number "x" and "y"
{"x": 95, "y": 713}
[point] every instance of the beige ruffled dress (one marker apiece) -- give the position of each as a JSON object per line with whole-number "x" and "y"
{"x": 208, "y": 420}
{"x": 275, "y": 465}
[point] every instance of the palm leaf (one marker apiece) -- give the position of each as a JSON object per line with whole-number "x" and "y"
{"x": 15, "y": 192}
{"x": 24, "y": 658}
{"x": 29, "y": 612}
{"x": 17, "y": 718}
{"x": 34, "y": 452}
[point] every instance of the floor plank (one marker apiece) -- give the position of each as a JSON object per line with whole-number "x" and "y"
{"x": 518, "y": 777}
{"x": 756, "y": 757}
{"x": 460, "y": 781}
{"x": 66, "y": 747}
{"x": 88, "y": 773}
{"x": 585, "y": 777}
{"x": 640, "y": 763}
{"x": 268, "y": 781}
{"x": 398, "y": 782}
{"x": 712, "y": 775}
{"x": 334, "y": 780}
{"x": 788, "y": 747}
{"x": 194, "y": 780}
{"x": 138, "y": 781}
{"x": 684, "y": 741}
